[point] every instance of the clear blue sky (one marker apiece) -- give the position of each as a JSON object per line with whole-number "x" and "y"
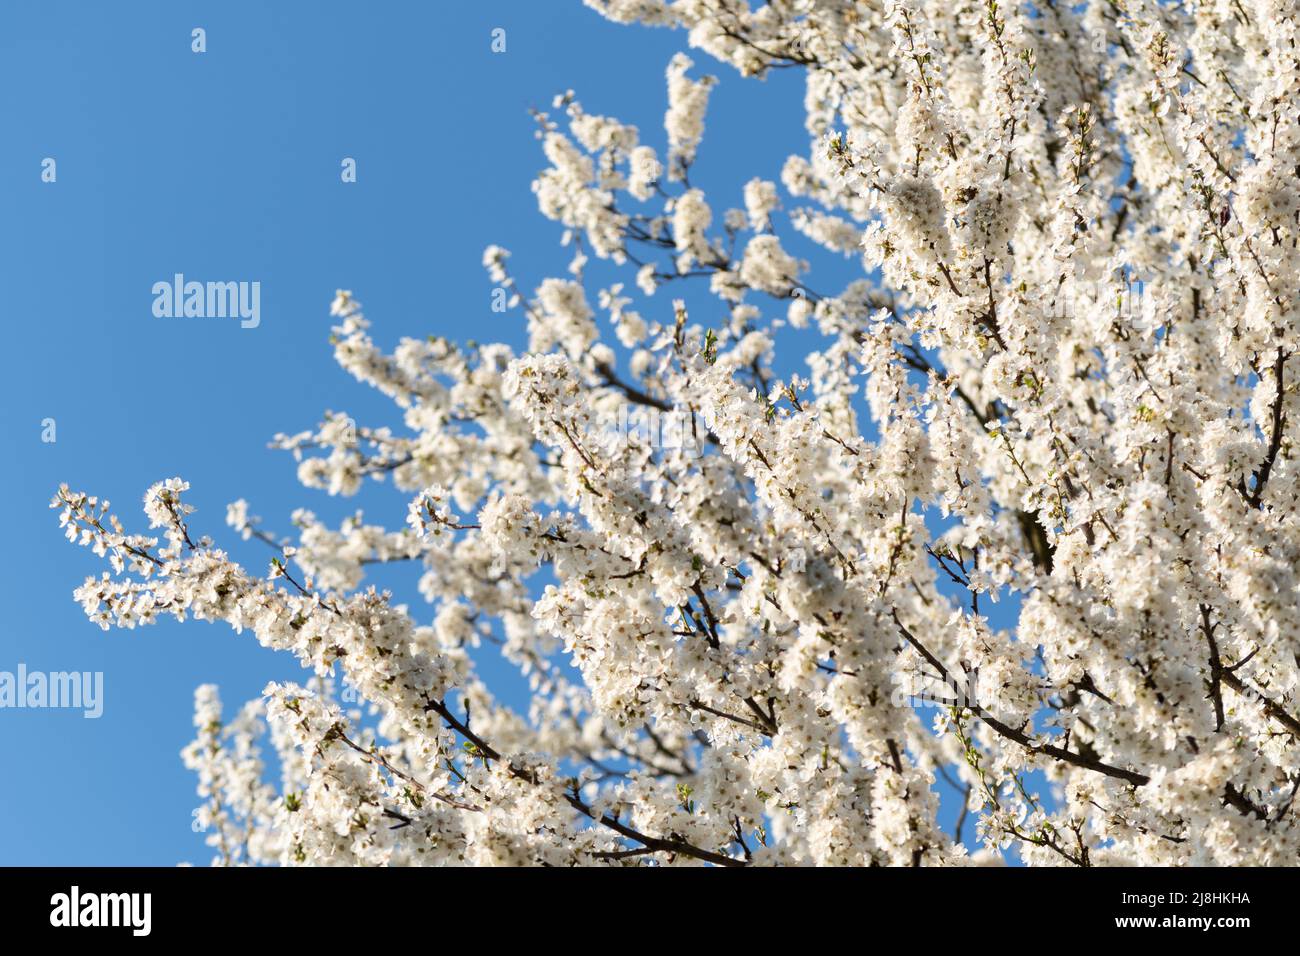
{"x": 225, "y": 166}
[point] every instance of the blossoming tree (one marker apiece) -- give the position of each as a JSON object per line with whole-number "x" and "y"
{"x": 991, "y": 413}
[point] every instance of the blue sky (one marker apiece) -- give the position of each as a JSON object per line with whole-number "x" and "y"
{"x": 225, "y": 166}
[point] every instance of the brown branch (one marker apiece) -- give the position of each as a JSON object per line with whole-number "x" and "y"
{"x": 1078, "y": 760}
{"x": 374, "y": 756}
{"x": 1275, "y": 439}
{"x": 1216, "y": 666}
{"x": 1271, "y": 707}
{"x": 651, "y": 843}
